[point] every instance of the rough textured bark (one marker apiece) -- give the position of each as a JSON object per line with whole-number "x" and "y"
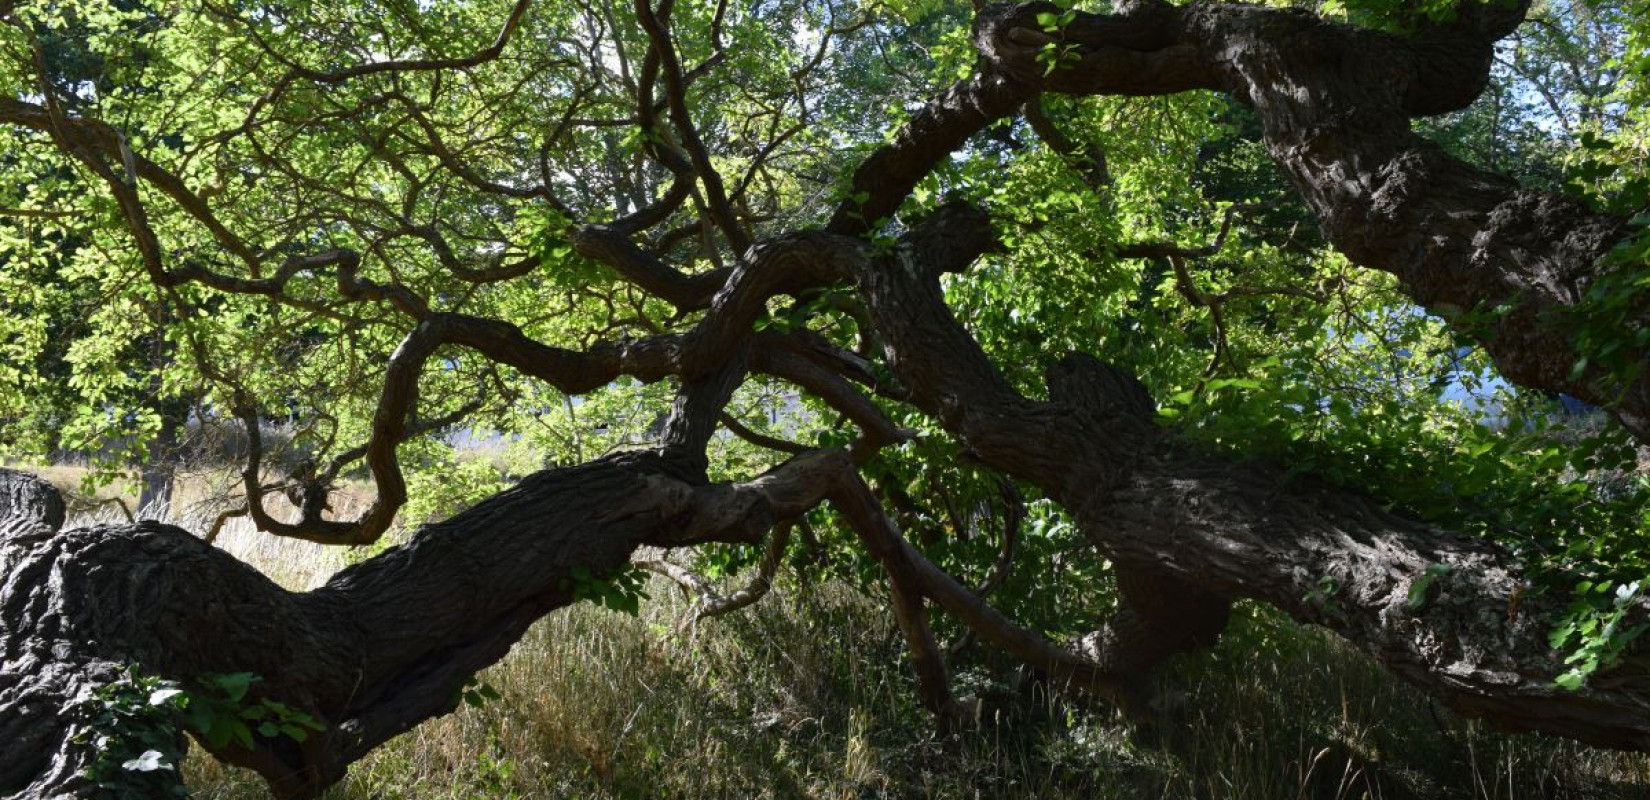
{"x": 1510, "y": 266}
{"x": 381, "y": 647}
{"x": 388, "y": 643}
{"x": 1186, "y": 529}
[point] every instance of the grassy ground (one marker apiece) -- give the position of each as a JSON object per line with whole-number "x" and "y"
{"x": 199, "y": 494}
{"x": 807, "y": 695}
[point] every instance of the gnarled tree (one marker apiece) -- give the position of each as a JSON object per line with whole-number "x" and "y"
{"x": 379, "y": 223}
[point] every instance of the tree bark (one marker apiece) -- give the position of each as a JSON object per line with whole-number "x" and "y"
{"x": 1447, "y": 613}
{"x": 1508, "y": 266}
{"x": 390, "y": 642}
{"x": 381, "y": 647}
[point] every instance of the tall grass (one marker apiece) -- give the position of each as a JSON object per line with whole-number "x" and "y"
{"x": 808, "y": 695}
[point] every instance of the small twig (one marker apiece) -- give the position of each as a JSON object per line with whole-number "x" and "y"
{"x": 1188, "y": 289}
{"x": 95, "y": 504}
{"x": 217, "y": 524}
{"x": 1014, "y": 513}
{"x": 760, "y": 439}
{"x": 35, "y": 213}
{"x": 1166, "y": 249}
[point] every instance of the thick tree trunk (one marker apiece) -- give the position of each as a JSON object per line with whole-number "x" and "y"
{"x": 382, "y": 646}
{"x": 1447, "y": 613}
{"x": 389, "y": 642}
{"x": 1509, "y": 266}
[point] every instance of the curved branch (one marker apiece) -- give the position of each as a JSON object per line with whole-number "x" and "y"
{"x": 676, "y": 95}
{"x": 759, "y": 439}
{"x": 1243, "y": 530}
{"x": 77, "y": 603}
{"x": 759, "y": 584}
{"x": 1509, "y": 266}
{"x": 932, "y": 134}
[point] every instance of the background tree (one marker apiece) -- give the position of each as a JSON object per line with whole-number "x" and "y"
{"x": 377, "y": 220}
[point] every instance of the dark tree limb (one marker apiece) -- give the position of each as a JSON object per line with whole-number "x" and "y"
{"x": 760, "y": 439}
{"x": 1509, "y": 266}
{"x": 760, "y": 583}
{"x": 720, "y": 210}
{"x": 1088, "y": 159}
{"x": 79, "y": 605}
{"x": 1187, "y": 530}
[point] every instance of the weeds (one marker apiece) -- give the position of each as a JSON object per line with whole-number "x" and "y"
{"x": 811, "y": 698}
{"x": 808, "y": 695}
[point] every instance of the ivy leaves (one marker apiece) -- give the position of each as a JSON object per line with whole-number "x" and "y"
{"x": 134, "y": 722}
{"x": 135, "y": 735}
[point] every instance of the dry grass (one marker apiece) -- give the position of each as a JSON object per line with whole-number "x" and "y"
{"x": 807, "y": 695}
{"x": 809, "y": 698}
{"x": 199, "y": 495}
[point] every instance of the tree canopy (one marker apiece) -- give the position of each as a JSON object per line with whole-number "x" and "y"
{"x": 1071, "y": 325}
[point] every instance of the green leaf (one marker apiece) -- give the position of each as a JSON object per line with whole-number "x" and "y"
{"x": 1418, "y": 587}
{"x": 243, "y": 734}
{"x": 201, "y": 718}
{"x": 234, "y": 684}
{"x": 219, "y": 732}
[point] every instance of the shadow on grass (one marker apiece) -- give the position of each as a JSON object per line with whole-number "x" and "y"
{"x": 812, "y": 698}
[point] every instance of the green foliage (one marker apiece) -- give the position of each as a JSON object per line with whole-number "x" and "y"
{"x": 1058, "y": 53}
{"x": 798, "y": 315}
{"x": 1592, "y": 630}
{"x": 132, "y": 723}
{"x": 475, "y": 693}
{"x": 1605, "y": 169}
{"x": 1608, "y": 323}
{"x": 493, "y": 776}
{"x": 623, "y": 590}
{"x": 1394, "y": 15}
{"x": 444, "y": 481}
{"x": 1417, "y": 598}
{"x": 1311, "y": 363}
{"x": 1323, "y": 594}
{"x": 548, "y": 243}
{"x": 221, "y": 713}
